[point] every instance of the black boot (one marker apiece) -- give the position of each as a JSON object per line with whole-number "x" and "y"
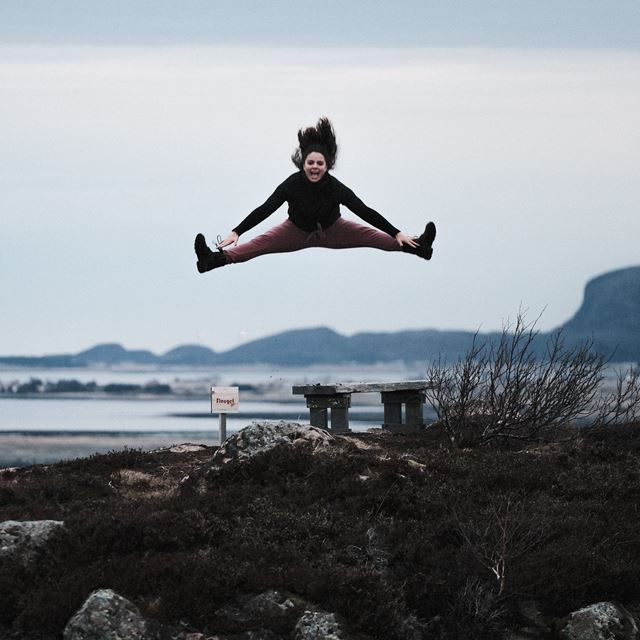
{"x": 208, "y": 259}
{"x": 425, "y": 242}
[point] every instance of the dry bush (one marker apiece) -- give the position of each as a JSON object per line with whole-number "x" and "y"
{"x": 518, "y": 389}
{"x": 500, "y": 533}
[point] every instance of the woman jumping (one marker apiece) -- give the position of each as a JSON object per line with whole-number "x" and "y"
{"x": 314, "y": 197}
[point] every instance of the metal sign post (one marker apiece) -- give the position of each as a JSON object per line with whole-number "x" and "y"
{"x": 224, "y": 400}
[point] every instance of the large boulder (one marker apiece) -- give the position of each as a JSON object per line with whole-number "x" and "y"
{"x": 105, "y": 615}
{"x": 601, "y": 621}
{"x": 24, "y": 539}
{"x": 256, "y": 439}
{"x": 318, "y": 625}
{"x": 262, "y": 436}
{"x": 275, "y": 614}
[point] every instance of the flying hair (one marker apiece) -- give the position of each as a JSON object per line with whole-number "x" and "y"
{"x": 320, "y": 138}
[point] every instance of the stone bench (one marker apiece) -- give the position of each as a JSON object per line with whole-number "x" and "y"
{"x": 336, "y": 399}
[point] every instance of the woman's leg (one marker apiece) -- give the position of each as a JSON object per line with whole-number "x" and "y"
{"x": 345, "y": 234}
{"x": 286, "y": 237}
{"x": 282, "y": 238}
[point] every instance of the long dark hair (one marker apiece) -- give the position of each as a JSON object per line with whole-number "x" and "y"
{"x": 320, "y": 138}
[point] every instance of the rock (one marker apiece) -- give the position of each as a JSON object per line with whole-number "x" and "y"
{"x": 253, "y": 440}
{"x": 262, "y": 436}
{"x": 318, "y": 625}
{"x": 106, "y": 616}
{"x": 25, "y": 538}
{"x": 258, "y": 438}
{"x": 601, "y": 621}
{"x": 275, "y": 614}
{"x": 186, "y": 447}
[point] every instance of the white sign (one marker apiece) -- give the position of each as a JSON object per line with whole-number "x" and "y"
{"x": 225, "y": 399}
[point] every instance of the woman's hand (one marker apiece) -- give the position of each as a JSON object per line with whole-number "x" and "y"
{"x": 403, "y": 238}
{"x": 232, "y": 238}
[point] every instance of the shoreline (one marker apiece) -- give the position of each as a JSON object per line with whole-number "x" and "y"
{"x": 26, "y": 449}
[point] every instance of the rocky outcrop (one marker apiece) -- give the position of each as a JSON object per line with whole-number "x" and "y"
{"x": 106, "y": 616}
{"x": 262, "y": 436}
{"x": 258, "y": 438}
{"x": 609, "y": 315}
{"x": 318, "y": 625}
{"x": 24, "y": 539}
{"x": 601, "y": 621}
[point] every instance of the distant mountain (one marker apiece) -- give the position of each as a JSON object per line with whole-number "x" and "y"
{"x": 324, "y": 346}
{"x": 296, "y": 347}
{"x": 609, "y": 315}
{"x": 106, "y": 354}
{"x": 300, "y": 347}
{"x": 190, "y": 354}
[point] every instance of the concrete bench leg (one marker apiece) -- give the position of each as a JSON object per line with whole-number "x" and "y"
{"x": 413, "y": 415}
{"x": 319, "y": 417}
{"x": 340, "y": 419}
{"x": 392, "y": 411}
{"x": 338, "y": 404}
{"x": 393, "y": 401}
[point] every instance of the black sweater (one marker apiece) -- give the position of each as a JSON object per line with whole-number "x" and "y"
{"x": 314, "y": 205}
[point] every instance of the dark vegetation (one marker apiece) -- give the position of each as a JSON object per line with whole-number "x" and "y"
{"x": 378, "y": 528}
{"x": 35, "y": 386}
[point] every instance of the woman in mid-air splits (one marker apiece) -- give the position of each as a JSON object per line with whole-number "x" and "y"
{"x": 314, "y": 197}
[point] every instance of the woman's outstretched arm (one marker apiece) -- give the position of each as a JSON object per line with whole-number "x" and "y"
{"x": 352, "y": 202}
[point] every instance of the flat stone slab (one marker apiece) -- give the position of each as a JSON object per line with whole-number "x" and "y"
{"x": 360, "y": 387}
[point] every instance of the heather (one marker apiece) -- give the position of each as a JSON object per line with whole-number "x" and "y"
{"x": 386, "y": 530}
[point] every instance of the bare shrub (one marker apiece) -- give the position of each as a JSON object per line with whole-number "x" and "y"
{"x": 500, "y": 534}
{"x": 517, "y": 388}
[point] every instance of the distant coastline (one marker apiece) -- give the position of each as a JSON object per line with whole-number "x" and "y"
{"x": 607, "y": 319}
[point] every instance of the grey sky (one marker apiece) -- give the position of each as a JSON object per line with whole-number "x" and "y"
{"x": 404, "y": 23}
{"x": 523, "y": 145}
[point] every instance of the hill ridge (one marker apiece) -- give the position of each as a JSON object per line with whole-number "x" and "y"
{"x": 608, "y": 316}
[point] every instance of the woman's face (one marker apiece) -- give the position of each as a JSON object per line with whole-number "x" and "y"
{"x": 315, "y": 166}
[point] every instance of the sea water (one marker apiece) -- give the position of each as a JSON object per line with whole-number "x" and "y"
{"x": 41, "y": 429}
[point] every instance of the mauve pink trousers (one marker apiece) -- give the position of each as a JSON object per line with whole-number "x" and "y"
{"x": 286, "y": 237}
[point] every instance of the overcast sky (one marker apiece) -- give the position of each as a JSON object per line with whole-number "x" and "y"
{"x": 127, "y": 127}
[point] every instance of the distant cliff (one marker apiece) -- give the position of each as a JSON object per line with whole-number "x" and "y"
{"x": 609, "y": 315}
